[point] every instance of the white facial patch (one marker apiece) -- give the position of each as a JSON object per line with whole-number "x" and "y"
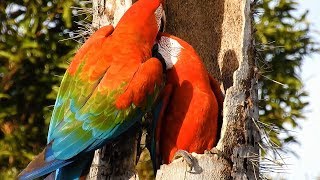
{"x": 170, "y": 50}
{"x": 158, "y": 14}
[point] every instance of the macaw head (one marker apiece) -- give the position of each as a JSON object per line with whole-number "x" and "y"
{"x": 168, "y": 49}
{"x": 144, "y": 19}
{"x": 156, "y": 6}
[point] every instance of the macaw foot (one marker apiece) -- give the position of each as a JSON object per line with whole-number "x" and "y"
{"x": 186, "y": 156}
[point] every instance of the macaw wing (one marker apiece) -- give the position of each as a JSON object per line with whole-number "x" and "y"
{"x": 215, "y": 87}
{"x": 81, "y": 78}
{"x": 109, "y": 111}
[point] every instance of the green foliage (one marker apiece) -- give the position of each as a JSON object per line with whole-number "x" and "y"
{"x": 32, "y": 60}
{"x": 285, "y": 40}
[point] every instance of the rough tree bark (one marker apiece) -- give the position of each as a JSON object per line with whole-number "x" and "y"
{"x": 220, "y": 30}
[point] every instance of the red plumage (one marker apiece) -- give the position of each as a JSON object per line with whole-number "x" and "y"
{"x": 192, "y": 103}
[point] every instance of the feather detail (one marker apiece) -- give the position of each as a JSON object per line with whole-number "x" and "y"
{"x": 43, "y": 164}
{"x": 110, "y": 63}
{"x": 191, "y": 116}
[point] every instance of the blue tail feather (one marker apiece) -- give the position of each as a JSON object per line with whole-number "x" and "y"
{"x": 43, "y": 164}
{"x": 76, "y": 169}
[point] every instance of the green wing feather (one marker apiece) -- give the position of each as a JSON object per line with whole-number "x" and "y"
{"x": 73, "y": 89}
{"x": 86, "y": 115}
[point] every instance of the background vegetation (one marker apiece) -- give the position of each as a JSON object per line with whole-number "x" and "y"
{"x": 33, "y": 58}
{"x": 283, "y": 39}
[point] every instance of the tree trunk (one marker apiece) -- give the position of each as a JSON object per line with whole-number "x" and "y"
{"x": 221, "y": 32}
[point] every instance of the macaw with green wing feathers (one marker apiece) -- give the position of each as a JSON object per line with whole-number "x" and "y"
{"x": 110, "y": 84}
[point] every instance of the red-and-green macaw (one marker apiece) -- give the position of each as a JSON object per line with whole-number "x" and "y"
{"x": 111, "y": 82}
{"x": 188, "y": 115}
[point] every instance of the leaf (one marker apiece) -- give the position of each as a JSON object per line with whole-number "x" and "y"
{"x": 29, "y": 44}
{"x": 9, "y": 56}
{"x": 5, "y": 96}
{"x": 66, "y": 15}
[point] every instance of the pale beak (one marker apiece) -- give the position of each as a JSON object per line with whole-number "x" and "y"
{"x": 163, "y": 22}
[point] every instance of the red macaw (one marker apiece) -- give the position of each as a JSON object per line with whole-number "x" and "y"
{"x": 111, "y": 82}
{"x": 190, "y": 104}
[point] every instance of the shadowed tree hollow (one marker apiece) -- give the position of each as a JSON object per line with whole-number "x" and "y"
{"x": 221, "y": 33}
